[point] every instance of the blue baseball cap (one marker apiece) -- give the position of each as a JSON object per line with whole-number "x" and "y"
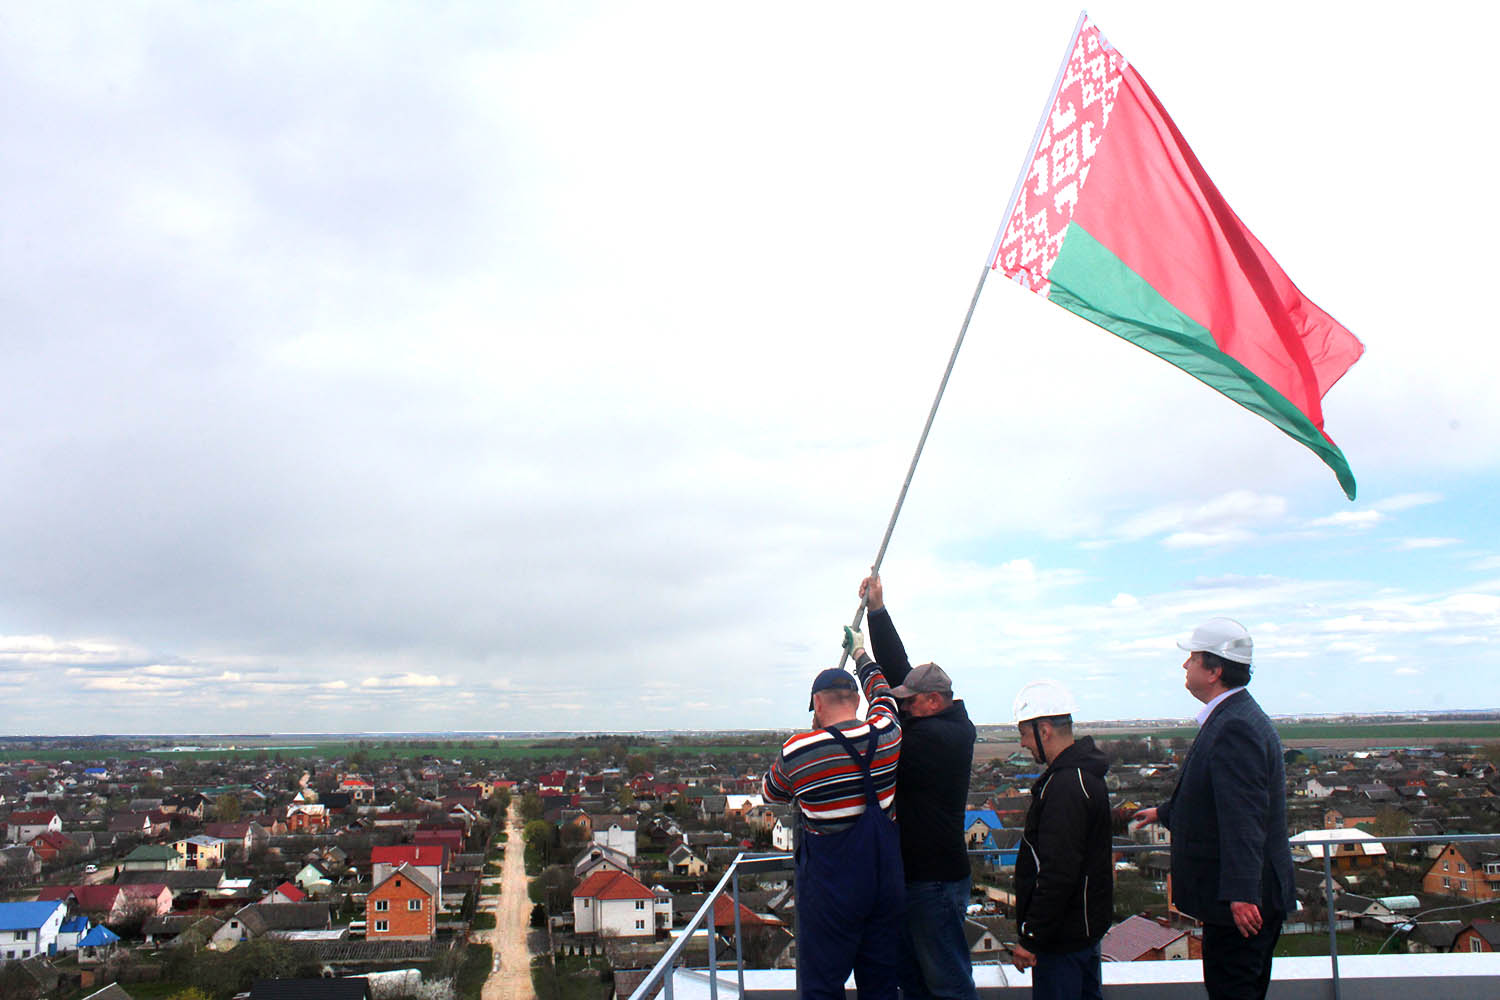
{"x": 833, "y": 678}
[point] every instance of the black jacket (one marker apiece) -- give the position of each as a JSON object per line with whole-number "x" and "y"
{"x": 1228, "y": 817}
{"x": 932, "y": 779}
{"x": 1064, "y": 873}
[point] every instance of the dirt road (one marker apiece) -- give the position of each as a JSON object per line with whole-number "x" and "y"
{"x": 511, "y": 977}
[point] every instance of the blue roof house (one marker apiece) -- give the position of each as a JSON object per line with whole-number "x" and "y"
{"x": 97, "y": 945}
{"x": 71, "y": 932}
{"x": 999, "y": 848}
{"x": 28, "y": 929}
{"x": 977, "y": 823}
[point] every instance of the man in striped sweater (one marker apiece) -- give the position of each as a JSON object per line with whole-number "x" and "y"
{"x": 841, "y": 775}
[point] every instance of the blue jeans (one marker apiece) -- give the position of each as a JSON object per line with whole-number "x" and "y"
{"x": 1071, "y": 975}
{"x": 937, "y": 952}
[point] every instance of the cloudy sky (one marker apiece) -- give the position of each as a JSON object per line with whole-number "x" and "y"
{"x": 411, "y": 367}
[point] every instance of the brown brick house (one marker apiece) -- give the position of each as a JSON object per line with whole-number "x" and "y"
{"x": 1464, "y": 871}
{"x": 402, "y": 907}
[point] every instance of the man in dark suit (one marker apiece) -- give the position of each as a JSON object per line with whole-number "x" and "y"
{"x": 1231, "y": 864}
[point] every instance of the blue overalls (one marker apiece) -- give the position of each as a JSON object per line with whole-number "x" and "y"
{"x": 851, "y": 899}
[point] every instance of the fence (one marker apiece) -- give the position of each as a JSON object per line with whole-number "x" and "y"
{"x": 660, "y": 976}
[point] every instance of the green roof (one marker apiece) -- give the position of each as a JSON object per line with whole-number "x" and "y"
{"x": 151, "y": 852}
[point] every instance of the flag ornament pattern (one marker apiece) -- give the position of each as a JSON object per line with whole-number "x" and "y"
{"x": 1033, "y": 234}
{"x": 1117, "y": 221}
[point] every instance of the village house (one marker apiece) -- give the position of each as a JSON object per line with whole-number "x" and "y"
{"x": 246, "y": 836}
{"x": 185, "y": 928}
{"x": 446, "y": 836}
{"x": 1433, "y": 937}
{"x": 1324, "y": 786}
{"x": 682, "y": 861}
{"x": 262, "y": 919}
{"x": 28, "y": 929}
{"x": 428, "y": 861}
{"x": 761, "y": 818}
{"x": 152, "y": 858}
{"x": 20, "y": 860}
{"x": 977, "y": 825}
{"x": 1463, "y": 870}
{"x": 72, "y": 931}
{"x": 982, "y": 941}
{"x": 200, "y": 851}
{"x": 1139, "y": 939}
{"x": 1479, "y": 936}
{"x": 1355, "y": 851}
{"x": 596, "y": 857}
{"x": 51, "y": 846}
{"x": 147, "y": 826}
{"x": 402, "y": 907}
{"x": 193, "y": 804}
{"x": 614, "y": 904}
{"x": 736, "y": 806}
{"x": 286, "y": 892}
{"x": 615, "y": 831}
{"x": 310, "y": 878}
{"x": 1347, "y": 817}
{"x": 111, "y": 904}
{"x": 23, "y": 827}
{"x": 306, "y": 817}
{"x": 360, "y": 790}
{"x": 97, "y": 946}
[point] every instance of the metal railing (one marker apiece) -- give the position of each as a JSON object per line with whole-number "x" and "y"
{"x": 758, "y": 863}
{"x": 661, "y": 973}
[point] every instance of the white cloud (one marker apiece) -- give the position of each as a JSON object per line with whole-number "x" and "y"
{"x": 1408, "y": 544}
{"x": 396, "y": 681}
{"x": 1356, "y": 519}
{"x": 1406, "y": 501}
{"x": 1224, "y": 519}
{"x": 1205, "y": 539}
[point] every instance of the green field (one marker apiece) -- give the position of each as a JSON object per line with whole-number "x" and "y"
{"x": 1377, "y": 734}
{"x": 87, "y": 750}
{"x": 386, "y": 750}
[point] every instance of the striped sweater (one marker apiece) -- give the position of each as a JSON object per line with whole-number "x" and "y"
{"x": 817, "y": 773}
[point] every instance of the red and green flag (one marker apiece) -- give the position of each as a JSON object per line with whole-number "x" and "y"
{"x": 1116, "y": 220}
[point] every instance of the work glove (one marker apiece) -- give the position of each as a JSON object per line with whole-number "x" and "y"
{"x": 854, "y": 640}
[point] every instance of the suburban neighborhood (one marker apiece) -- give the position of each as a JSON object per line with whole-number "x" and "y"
{"x": 158, "y": 872}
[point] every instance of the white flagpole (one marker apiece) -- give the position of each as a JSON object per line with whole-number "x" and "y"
{"x": 989, "y": 262}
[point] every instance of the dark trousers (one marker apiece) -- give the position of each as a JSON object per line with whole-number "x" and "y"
{"x": 1237, "y": 967}
{"x": 830, "y": 945}
{"x": 1071, "y": 975}
{"x": 937, "y": 966}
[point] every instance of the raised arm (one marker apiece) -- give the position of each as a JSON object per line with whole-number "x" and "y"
{"x": 885, "y": 643}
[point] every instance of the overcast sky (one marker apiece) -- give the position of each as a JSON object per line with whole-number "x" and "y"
{"x": 543, "y": 366}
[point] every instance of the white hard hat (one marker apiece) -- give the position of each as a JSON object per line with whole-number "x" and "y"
{"x": 1042, "y": 700}
{"x": 1223, "y": 637}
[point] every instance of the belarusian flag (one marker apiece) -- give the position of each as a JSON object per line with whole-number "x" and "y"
{"x": 1116, "y": 220}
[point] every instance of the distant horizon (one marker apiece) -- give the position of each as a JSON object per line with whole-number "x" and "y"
{"x": 1395, "y": 717}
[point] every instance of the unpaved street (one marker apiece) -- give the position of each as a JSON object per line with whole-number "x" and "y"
{"x": 511, "y": 979}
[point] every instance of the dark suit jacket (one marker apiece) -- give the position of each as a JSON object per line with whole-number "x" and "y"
{"x": 1228, "y": 817}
